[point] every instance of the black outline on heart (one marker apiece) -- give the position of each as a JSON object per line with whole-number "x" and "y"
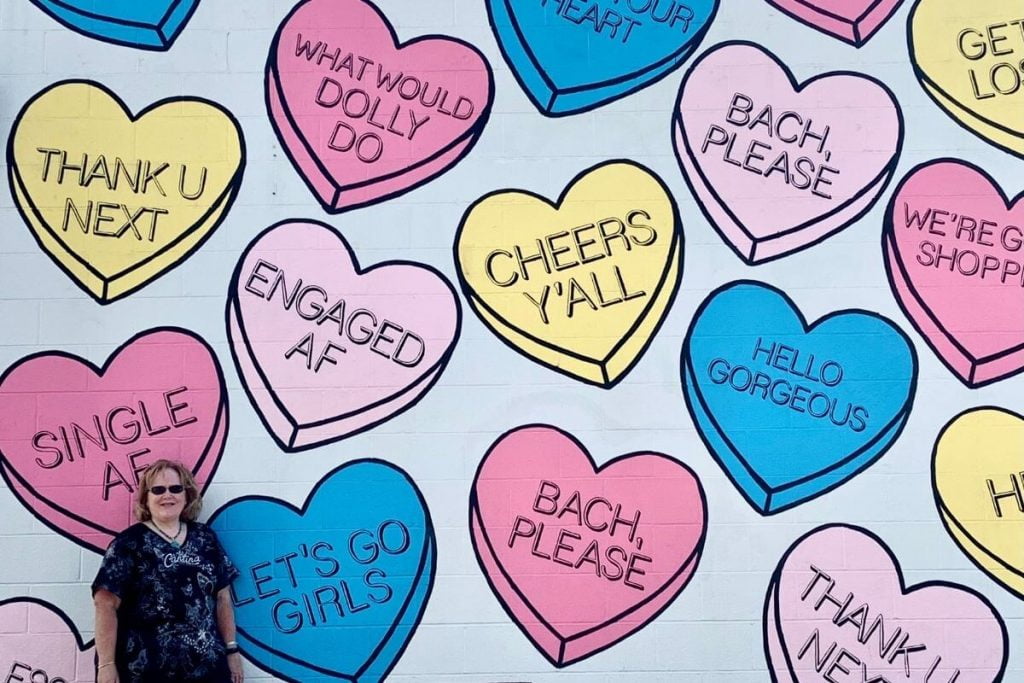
{"x": 224, "y": 203}
{"x": 947, "y": 516}
{"x": 677, "y": 233}
{"x": 887, "y": 252}
{"x": 82, "y": 645}
{"x": 679, "y": 56}
{"x": 774, "y": 583}
{"x": 158, "y": 28}
{"x": 858, "y": 40}
{"x": 233, "y": 303}
{"x": 9, "y": 472}
{"x": 429, "y": 549}
{"x": 471, "y": 136}
{"x": 923, "y": 78}
{"x": 883, "y": 177}
{"x": 692, "y": 559}
{"x": 687, "y": 370}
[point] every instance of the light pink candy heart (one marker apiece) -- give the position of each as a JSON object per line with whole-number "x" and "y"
{"x": 763, "y": 218}
{"x": 392, "y": 133}
{"x": 853, "y": 21}
{"x": 975, "y": 324}
{"x": 38, "y": 642}
{"x": 370, "y": 381}
{"x": 958, "y": 628}
{"x": 170, "y": 374}
{"x": 570, "y": 613}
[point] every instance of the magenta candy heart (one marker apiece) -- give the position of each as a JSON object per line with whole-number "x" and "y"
{"x": 954, "y": 251}
{"x": 39, "y": 643}
{"x": 580, "y": 556}
{"x": 778, "y": 166}
{"x": 853, "y": 21}
{"x": 326, "y": 349}
{"x": 364, "y": 118}
{"x": 74, "y": 437}
{"x": 837, "y": 609}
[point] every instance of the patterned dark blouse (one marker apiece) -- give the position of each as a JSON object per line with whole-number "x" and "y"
{"x": 166, "y": 623}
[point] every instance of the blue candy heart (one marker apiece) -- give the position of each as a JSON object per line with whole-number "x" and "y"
{"x": 791, "y": 410}
{"x": 573, "y": 55}
{"x": 146, "y": 24}
{"x": 336, "y": 589}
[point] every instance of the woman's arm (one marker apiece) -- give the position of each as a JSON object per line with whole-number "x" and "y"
{"x": 226, "y": 626}
{"x": 106, "y": 634}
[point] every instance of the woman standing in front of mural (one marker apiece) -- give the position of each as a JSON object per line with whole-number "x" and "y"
{"x": 163, "y": 603}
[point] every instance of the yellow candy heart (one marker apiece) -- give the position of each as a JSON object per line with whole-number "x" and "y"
{"x": 117, "y": 200}
{"x": 978, "y": 476}
{"x": 970, "y": 58}
{"x": 582, "y": 285}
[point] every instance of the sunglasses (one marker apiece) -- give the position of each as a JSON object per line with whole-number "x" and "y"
{"x": 161, "y": 490}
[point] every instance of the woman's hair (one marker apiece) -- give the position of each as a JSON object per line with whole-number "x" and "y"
{"x": 193, "y": 499}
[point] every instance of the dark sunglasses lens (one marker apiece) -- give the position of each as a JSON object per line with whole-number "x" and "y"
{"x": 161, "y": 490}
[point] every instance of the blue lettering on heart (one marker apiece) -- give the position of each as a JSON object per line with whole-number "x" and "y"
{"x": 145, "y": 24}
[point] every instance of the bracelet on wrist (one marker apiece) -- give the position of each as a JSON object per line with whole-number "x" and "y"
{"x": 103, "y": 666}
{"x": 231, "y": 650}
{"x": 231, "y": 643}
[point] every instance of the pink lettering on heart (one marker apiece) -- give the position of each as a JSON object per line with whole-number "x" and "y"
{"x": 326, "y": 349}
{"x": 364, "y": 118}
{"x": 853, "y": 21}
{"x": 838, "y": 609}
{"x": 954, "y": 252}
{"x": 778, "y": 166}
{"x": 40, "y": 644}
{"x": 581, "y": 556}
{"x": 74, "y": 438}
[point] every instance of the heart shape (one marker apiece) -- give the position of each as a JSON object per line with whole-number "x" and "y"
{"x": 38, "y": 642}
{"x": 953, "y": 246}
{"x": 395, "y": 326}
{"x": 886, "y": 631}
{"x": 853, "y": 21}
{"x": 570, "y": 58}
{"x": 779, "y": 166}
{"x": 145, "y": 24}
{"x": 117, "y": 200}
{"x": 589, "y": 305}
{"x": 74, "y": 437}
{"x": 363, "y": 117}
{"x": 576, "y": 588}
{"x": 970, "y": 60}
{"x": 978, "y": 479}
{"x": 360, "y": 552}
{"x": 791, "y": 410}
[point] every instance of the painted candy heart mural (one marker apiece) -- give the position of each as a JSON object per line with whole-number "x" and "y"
{"x": 953, "y": 246}
{"x": 838, "y": 607}
{"x": 581, "y": 556}
{"x": 40, "y": 644}
{"x": 571, "y": 57}
{"x": 74, "y": 437}
{"x": 969, "y": 57}
{"x": 778, "y": 165}
{"x": 117, "y": 199}
{"x": 581, "y": 284}
{"x": 853, "y": 21}
{"x": 364, "y": 117}
{"x": 145, "y": 24}
{"x": 326, "y": 348}
{"x": 978, "y": 478}
{"x": 790, "y": 410}
{"x": 333, "y": 590}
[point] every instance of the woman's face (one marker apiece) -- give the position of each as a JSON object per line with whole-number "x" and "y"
{"x": 166, "y": 507}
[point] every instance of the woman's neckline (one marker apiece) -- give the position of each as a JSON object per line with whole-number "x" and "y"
{"x": 185, "y": 529}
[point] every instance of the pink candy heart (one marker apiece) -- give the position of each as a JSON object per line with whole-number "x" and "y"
{"x": 954, "y": 251}
{"x": 580, "y": 556}
{"x": 39, "y": 643}
{"x": 837, "y": 609}
{"x": 74, "y": 437}
{"x": 326, "y": 349}
{"x": 778, "y": 167}
{"x": 364, "y": 118}
{"x": 853, "y": 21}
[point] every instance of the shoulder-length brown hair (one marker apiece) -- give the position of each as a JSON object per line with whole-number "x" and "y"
{"x": 193, "y": 499}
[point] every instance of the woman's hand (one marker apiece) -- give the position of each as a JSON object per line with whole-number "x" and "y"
{"x": 235, "y": 665}
{"x": 107, "y": 674}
